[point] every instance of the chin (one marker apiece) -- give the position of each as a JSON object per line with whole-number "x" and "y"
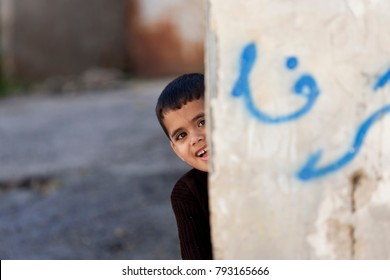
{"x": 203, "y": 168}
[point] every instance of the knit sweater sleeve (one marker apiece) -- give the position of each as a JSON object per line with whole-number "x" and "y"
{"x": 193, "y": 226}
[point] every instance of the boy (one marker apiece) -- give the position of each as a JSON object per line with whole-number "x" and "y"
{"x": 180, "y": 112}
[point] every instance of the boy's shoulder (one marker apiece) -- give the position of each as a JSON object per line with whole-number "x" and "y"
{"x": 194, "y": 176}
{"x": 191, "y": 183}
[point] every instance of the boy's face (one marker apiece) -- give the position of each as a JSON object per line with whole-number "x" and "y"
{"x": 187, "y": 132}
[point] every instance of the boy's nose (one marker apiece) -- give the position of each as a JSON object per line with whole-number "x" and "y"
{"x": 197, "y": 138}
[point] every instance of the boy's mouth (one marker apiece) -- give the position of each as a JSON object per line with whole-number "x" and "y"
{"x": 202, "y": 153}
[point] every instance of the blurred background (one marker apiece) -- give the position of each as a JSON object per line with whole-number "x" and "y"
{"x": 85, "y": 170}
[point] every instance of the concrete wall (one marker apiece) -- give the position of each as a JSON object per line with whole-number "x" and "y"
{"x": 299, "y": 98}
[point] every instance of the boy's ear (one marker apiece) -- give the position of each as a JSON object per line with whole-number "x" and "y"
{"x": 175, "y": 150}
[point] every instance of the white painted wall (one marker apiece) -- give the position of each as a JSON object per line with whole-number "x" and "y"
{"x": 261, "y": 207}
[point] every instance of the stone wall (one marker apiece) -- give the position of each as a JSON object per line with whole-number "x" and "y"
{"x": 299, "y": 98}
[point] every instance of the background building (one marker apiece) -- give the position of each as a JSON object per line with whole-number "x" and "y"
{"x": 46, "y": 38}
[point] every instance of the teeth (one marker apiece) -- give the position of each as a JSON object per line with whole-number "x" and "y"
{"x": 201, "y": 153}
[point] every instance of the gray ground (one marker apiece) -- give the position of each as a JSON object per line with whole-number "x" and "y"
{"x": 86, "y": 176}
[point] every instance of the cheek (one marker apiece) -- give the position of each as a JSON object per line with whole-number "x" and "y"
{"x": 180, "y": 151}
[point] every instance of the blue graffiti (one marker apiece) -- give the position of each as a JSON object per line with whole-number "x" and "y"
{"x": 310, "y": 170}
{"x": 292, "y": 63}
{"x": 382, "y": 81}
{"x": 306, "y": 86}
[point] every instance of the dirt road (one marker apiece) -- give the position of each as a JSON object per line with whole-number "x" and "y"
{"x": 86, "y": 176}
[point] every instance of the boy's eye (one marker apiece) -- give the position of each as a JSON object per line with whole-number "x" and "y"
{"x": 180, "y": 136}
{"x": 202, "y": 123}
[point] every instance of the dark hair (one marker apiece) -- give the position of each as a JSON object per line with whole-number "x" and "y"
{"x": 177, "y": 93}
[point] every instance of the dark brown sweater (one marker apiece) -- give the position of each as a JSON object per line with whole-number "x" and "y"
{"x": 189, "y": 200}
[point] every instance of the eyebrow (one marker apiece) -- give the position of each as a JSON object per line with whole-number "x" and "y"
{"x": 198, "y": 116}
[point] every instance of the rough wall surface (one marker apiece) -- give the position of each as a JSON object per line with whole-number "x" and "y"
{"x": 299, "y": 98}
{"x": 43, "y": 38}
